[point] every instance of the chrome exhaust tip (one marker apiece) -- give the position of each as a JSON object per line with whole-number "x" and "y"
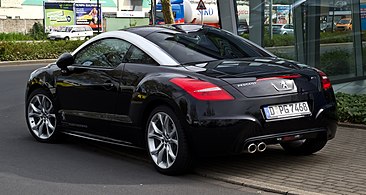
{"x": 252, "y": 148}
{"x": 261, "y": 147}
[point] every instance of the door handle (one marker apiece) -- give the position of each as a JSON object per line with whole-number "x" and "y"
{"x": 108, "y": 85}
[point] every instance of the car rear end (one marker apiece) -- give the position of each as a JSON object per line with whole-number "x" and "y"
{"x": 268, "y": 107}
{"x": 276, "y": 29}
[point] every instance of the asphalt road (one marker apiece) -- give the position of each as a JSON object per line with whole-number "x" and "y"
{"x": 75, "y": 166}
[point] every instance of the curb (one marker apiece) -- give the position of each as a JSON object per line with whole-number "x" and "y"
{"x": 254, "y": 184}
{"x": 24, "y": 62}
{"x": 351, "y": 125}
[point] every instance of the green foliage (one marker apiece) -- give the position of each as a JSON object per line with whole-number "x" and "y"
{"x": 11, "y": 51}
{"x": 336, "y": 37}
{"x": 14, "y": 37}
{"x": 351, "y": 108}
{"x": 325, "y": 37}
{"x": 279, "y": 40}
{"x": 37, "y": 32}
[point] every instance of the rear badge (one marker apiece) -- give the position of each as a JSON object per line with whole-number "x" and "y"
{"x": 284, "y": 85}
{"x": 246, "y": 84}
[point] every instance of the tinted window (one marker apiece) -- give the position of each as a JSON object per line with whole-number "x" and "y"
{"x": 138, "y": 56}
{"x": 204, "y": 45}
{"x": 106, "y": 53}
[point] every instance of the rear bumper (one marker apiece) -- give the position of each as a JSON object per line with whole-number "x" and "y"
{"x": 220, "y": 135}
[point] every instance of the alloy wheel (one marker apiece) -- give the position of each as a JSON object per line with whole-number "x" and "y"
{"x": 162, "y": 140}
{"x": 40, "y": 117}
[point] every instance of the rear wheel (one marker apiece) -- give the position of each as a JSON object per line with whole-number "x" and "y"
{"x": 41, "y": 116}
{"x": 305, "y": 146}
{"x": 166, "y": 142}
{"x": 67, "y": 38}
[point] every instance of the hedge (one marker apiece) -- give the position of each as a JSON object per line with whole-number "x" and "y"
{"x": 325, "y": 38}
{"x": 351, "y": 108}
{"x": 11, "y": 51}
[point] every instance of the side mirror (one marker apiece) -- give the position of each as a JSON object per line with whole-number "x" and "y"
{"x": 64, "y": 61}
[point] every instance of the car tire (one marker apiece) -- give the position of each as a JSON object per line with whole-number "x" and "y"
{"x": 67, "y": 38}
{"x": 166, "y": 142}
{"x": 41, "y": 116}
{"x": 87, "y": 38}
{"x": 304, "y": 147}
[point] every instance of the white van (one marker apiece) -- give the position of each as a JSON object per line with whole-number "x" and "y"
{"x": 73, "y": 32}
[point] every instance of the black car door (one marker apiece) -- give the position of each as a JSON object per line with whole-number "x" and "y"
{"x": 137, "y": 65}
{"x": 87, "y": 93}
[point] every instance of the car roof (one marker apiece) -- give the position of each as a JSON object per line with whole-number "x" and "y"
{"x": 173, "y": 28}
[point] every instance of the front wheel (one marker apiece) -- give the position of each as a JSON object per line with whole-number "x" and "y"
{"x": 305, "y": 146}
{"x": 166, "y": 142}
{"x": 41, "y": 116}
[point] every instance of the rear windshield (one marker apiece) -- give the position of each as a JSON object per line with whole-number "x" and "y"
{"x": 207, "y": 44}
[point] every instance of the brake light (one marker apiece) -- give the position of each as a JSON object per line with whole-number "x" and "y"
{"x": 325, "y": 80}
{"x": 292, "y": 76}
{"x": 202, "y": 90}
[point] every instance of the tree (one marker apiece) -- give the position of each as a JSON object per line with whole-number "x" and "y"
{"x": 167, "y": 12}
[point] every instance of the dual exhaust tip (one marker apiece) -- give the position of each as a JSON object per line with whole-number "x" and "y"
{"x": 253, "y": 147}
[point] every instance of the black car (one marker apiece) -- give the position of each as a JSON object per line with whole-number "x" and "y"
{"x": 181, "y": 91}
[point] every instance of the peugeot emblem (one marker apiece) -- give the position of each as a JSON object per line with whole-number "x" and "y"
{"x": 284, "y": 85}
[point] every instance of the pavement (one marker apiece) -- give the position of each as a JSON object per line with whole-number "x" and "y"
{"x": 340, "y": 168}
{"x": 337, "y": 169}
{"x": 354, "y": 87}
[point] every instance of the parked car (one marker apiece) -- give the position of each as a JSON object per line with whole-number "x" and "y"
{"x": 283, "y": 29}
{"x": 73, "y": 32}
{"x": 327, "y": 26}
{"x": 344, "y": 24}
{"x": 181, "y": 91}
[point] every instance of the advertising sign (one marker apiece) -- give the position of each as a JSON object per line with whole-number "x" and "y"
{"x": 57, "y": 15}
{"x": 363, "y": 16}
{"x": 88, "y": 14}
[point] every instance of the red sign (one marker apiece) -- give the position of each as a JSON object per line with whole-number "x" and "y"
{"x": 201, "y": 5}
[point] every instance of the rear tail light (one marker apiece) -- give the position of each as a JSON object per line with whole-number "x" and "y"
{"x": 325, "y": 80}
{"x": 202, "y": 90}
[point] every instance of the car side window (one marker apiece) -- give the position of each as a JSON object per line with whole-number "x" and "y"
{"x": 105, "y": 53}
{"x": 139, "y": 57}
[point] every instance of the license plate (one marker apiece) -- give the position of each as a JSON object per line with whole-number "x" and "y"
{"x": 287, "y": 110}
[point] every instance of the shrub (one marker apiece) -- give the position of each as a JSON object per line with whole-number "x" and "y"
{"x": 351, "y": 108}
{"x": 336, "y": 37}
{"x": 11, "y": 51}
{"x": 37, "y": 32}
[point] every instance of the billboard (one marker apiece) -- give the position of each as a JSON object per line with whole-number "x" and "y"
{"x": 57, "y": 15}
{"x": 363, "y": 16}
{"x": 88, "y": 14}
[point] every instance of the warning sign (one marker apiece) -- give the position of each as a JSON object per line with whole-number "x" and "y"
{"x": 201, "y": 5}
